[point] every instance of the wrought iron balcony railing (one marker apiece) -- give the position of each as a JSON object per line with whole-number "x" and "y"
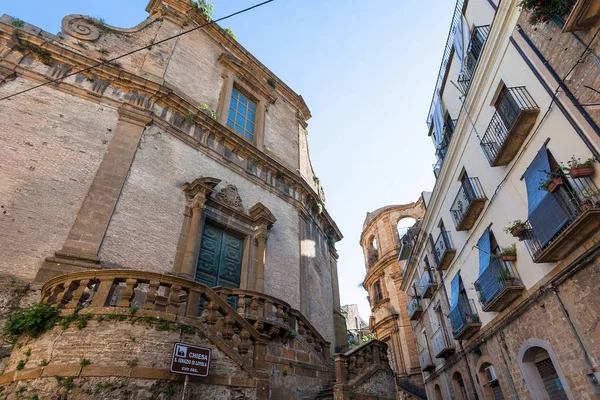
{"x": 498, "y": 285}
{"x": 442, "y": 148}
{"x": 515, "y": 116}
{"x": 443, "y": 251}
{"x": 474, "y": 50}
{"x": 464, "y": 319}
{"x": 579, "y": 199}
{"x": 427, "y": 284}
{"x": 442, "y": 345}
{"x": 415, "y": 310}
{"x": 425, "y": 360}
{"x": 468, "y": 204}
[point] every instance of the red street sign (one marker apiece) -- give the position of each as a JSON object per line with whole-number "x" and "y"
{"x": 190, "y": 360}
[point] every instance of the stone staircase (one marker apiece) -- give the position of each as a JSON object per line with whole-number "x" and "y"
{"x": 327, "y": 392}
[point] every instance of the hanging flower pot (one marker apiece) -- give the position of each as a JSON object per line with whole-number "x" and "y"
{"x": 511, "y": 257}
{"x": 517, "y": 230}
{"x": 554, "y": 184}
{"x": 581, "y": 172}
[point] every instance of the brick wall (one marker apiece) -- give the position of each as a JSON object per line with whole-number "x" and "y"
{"x": 52, "y": 144}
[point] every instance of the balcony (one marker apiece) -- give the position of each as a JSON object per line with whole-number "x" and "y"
{"x": 427, "y": 284}
{"x": 468, "y": 204}
{"x": 407, "y": 243}
{"x": 442, "y": 148}
{"x": 443, "y": 251}
{"x": 464, "y": 319}
{"x": 474, "y": 50}
{"x": 515, "y": 116}
{"x": 414, "y": 309}
{"x": 498, "y": 285}
{"x": 579, "y": 199}
{"x": 441, "y": 344}
{"x": 585, "y": 15}
{"x": 425, "y": 360}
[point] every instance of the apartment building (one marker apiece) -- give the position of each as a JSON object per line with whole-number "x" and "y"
{"x": 503, "y": 278}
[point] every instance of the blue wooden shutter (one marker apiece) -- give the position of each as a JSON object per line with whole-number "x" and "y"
{"x": 545, "y": 214}
{"x": 484, "y": 251}
{"x": 454, "y": 291}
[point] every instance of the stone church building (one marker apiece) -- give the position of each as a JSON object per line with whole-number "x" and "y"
{"x": 165, "y": 197}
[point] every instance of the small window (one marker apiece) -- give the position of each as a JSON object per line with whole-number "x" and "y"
{"x": 377, "y": 294}
{"x": 242, "y": 114}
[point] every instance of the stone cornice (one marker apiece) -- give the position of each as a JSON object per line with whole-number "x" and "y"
{"x": 247, "y": 75}
{"x": 147, "y": 95}
{"x": 381, "y": 264}
{"x": 184, "y": 7}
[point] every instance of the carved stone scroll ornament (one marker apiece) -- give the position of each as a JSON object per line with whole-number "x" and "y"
{"x": 229, "y": 196}
{"x": 80, "y": 27}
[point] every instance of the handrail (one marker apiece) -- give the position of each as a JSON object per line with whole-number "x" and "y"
{"x": 441, "y": 245}
{"x": 361, "y": 360}
{"x": 275, "y": 316}
{"x": 470, "y": 189}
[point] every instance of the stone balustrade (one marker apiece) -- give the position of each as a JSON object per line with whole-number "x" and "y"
{"x": 360, "y": 360}
{"x": 274, "y": 318}
{"x": 148, "y": 294}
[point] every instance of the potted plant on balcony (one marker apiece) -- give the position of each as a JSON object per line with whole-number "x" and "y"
{"x": 517, "y": 228}
{"x": 578, "y": 168}
{"x": 552, "y": 182}
{"x": 590, "y": 200}
{"x": 543, "y": 10}
{"x": 509, "y": 253}
{"x": 472, "y": 318}
{"x": 507, "y": 278}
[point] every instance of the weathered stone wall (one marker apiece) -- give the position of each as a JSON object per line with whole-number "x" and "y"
{"x": 125, "y": 360}
{"x": 52, "y": 145}
{"x": 152, "y": 203}
{"x": 380, "y": 385}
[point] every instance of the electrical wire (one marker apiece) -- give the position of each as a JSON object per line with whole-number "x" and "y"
{"x": 104, "y": 62}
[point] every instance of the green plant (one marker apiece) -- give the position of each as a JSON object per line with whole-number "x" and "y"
{"x": 169, "y": 390}
{"x": 21, "y": 365}
{"x": 133, "y": 362}
{"x": 21, "y": 389}
{"x": 206, "y": 7}
{"x": 230, "y": 33}
{"x": 505, "y": 274}
{"x": 292, "y": 335}
{"x": 103, "y": 51}
{"x": 543, "y": 10}
{"x": 279, "y": 176}
{"x": 509, "y": 251}
{"x": 44, "y": 363}
{"x": 31, "y": 321}
{"x": 351, "y": 393}
{"x": 44, "y": 55}
{"x": 133, "y": 310}
{"x": 132, "y": 339}
{"x": 481, "y": 298}
{"x": 28, "y": 353}
{"x": 271, "y": 82}
{"x": 84, "y": 362}
{"x": 17, "y": 23}
{"x": 67, "y": 382}
{"x": 474, "y": 317}
{"x": 513, "y": 226}
{"x": 35, "y": 397}
{"x": 577, "y": 163}
{"x": 319, "y": 208}
{"x": 100, "y": 24}
{"x": 285, "y": 373}
{"x": 189, "y": 117}
{"x": 207, "y": 110}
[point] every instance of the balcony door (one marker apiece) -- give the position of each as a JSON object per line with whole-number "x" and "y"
{"x": 220, "y": 259}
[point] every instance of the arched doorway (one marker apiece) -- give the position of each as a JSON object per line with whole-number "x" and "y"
{"x": 542, "y": 372}
{"x": 437, "y": 393}
{"x": 489, "y": 382}
{"x": 459, "y": 386}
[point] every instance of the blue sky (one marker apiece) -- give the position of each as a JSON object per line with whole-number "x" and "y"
{"x": 366, "y": 70}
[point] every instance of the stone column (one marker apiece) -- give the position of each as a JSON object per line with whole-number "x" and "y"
{"x": 339, "y": 321}
{"x": 197, "y": 192}
{"x": 261, "y": 246}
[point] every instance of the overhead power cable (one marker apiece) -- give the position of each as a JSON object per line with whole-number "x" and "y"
{"x": 104, "y": 62}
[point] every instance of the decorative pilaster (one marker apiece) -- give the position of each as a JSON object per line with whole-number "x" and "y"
{"x": 197, "y": 193}
{"x": 85, "y": 237}
{"x": 261, "y": 245}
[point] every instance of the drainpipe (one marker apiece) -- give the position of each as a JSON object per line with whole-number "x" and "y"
{"x": 470, "y": 372}
{"x": 502, "y": 344}
{"x": 586, "y": 357}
